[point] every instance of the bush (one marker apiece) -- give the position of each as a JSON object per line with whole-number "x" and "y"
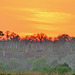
{"x": 42, "y": 69}
{"x": 29, "y": 63}
{"x": 65, "y": 65}
{"x": 73, "y": 74}
{"x": 60, "y": 69}
{"x": 40, "y": 62}
{"x": 36, "y": 62}
{"x": 14, "y": 64}
{"x": 3, "y": 67}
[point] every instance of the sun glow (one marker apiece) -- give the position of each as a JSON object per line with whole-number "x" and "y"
{"x": 51, "y": 17}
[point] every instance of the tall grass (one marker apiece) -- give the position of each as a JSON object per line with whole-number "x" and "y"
{"x": 31, "y": 73}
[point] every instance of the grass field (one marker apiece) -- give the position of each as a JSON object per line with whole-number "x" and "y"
{"x": 31, "y": 73}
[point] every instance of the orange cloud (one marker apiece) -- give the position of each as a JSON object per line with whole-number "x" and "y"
{"x": 43, "y": 16}
{"x": 32, "y": 16}
{"x": 52, "y": 17}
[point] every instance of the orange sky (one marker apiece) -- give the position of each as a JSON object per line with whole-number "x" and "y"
{"x": 52, "y": 17}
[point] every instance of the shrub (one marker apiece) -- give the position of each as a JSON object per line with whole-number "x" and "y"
{"x": 73, "y": 74}
{"x": 60, "y": 69}
{"x": 29, "y": 63}
{"x": 14, "y": 64}
{"x": 65, "y": 65}
{"x": 42, "y": 69}
{"x": 40, "y": 62}
{"x": 36, "y": 62}
{"x": 3, "y": 67}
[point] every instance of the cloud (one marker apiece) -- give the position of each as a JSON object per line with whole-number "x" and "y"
{"x": 51, "y": 17}
{"x": 45, "y": 16}
{"x": 46, "y": 27}
{"x": 40, "y": 15}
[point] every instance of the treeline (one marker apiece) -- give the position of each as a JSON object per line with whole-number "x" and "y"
{"x": 7, "y": 36}
{"x": 34, "y": 64}
{"x": 61, "y": 45}
{"x": 38, "y": 45}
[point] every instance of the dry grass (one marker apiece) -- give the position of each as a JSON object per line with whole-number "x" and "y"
{"x": 31, "y": 73}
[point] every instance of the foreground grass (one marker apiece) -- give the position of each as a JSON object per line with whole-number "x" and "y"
{"x": 31, "y": 73}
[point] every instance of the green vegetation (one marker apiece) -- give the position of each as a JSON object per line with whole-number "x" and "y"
{"x": 14, "y": 64}
{"x": 60, "y": 69}
{"x": 36, "y": 62}
{"x": 4, "y": 67}
{"x": 35, "y": 65}
{"x": 42, "y": 69}
{"x": 73, "y": 74}
{"x": 57, "y": 69}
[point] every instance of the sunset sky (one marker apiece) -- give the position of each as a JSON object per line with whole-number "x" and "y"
{"x": 52, "y": 17}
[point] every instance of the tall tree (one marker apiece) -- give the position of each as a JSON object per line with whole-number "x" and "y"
{"x": 42, "y": 37}
{"x": 1, "y": 34}
{"x": 63, "y": 38}
{"x": 14, "y": 37}
{"x": 7, "y": 35}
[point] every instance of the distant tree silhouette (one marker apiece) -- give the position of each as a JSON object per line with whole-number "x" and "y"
{"x": 14, "y": 37}
{"x": 42, "y": 37}
{"x": 27, "y": 38}
{"x": 7, "y": 35}
{"x": 1, "y": 34}
{"x": 63, "y": 38}
{"x": 36, "y": 37}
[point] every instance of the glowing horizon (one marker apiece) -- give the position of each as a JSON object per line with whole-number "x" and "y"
{"x": 52, "y": 17}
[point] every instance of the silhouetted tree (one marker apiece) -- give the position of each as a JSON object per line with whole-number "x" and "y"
{"x": 1, "y": 34}
{"x": 42, "y": 37}
{"x": 63, "y": 38}
{"x": 14, "y": 37}
{"x": 36, "y": 37}
{"x": 7, "y": 35}
{"x": 62, "y": 45}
